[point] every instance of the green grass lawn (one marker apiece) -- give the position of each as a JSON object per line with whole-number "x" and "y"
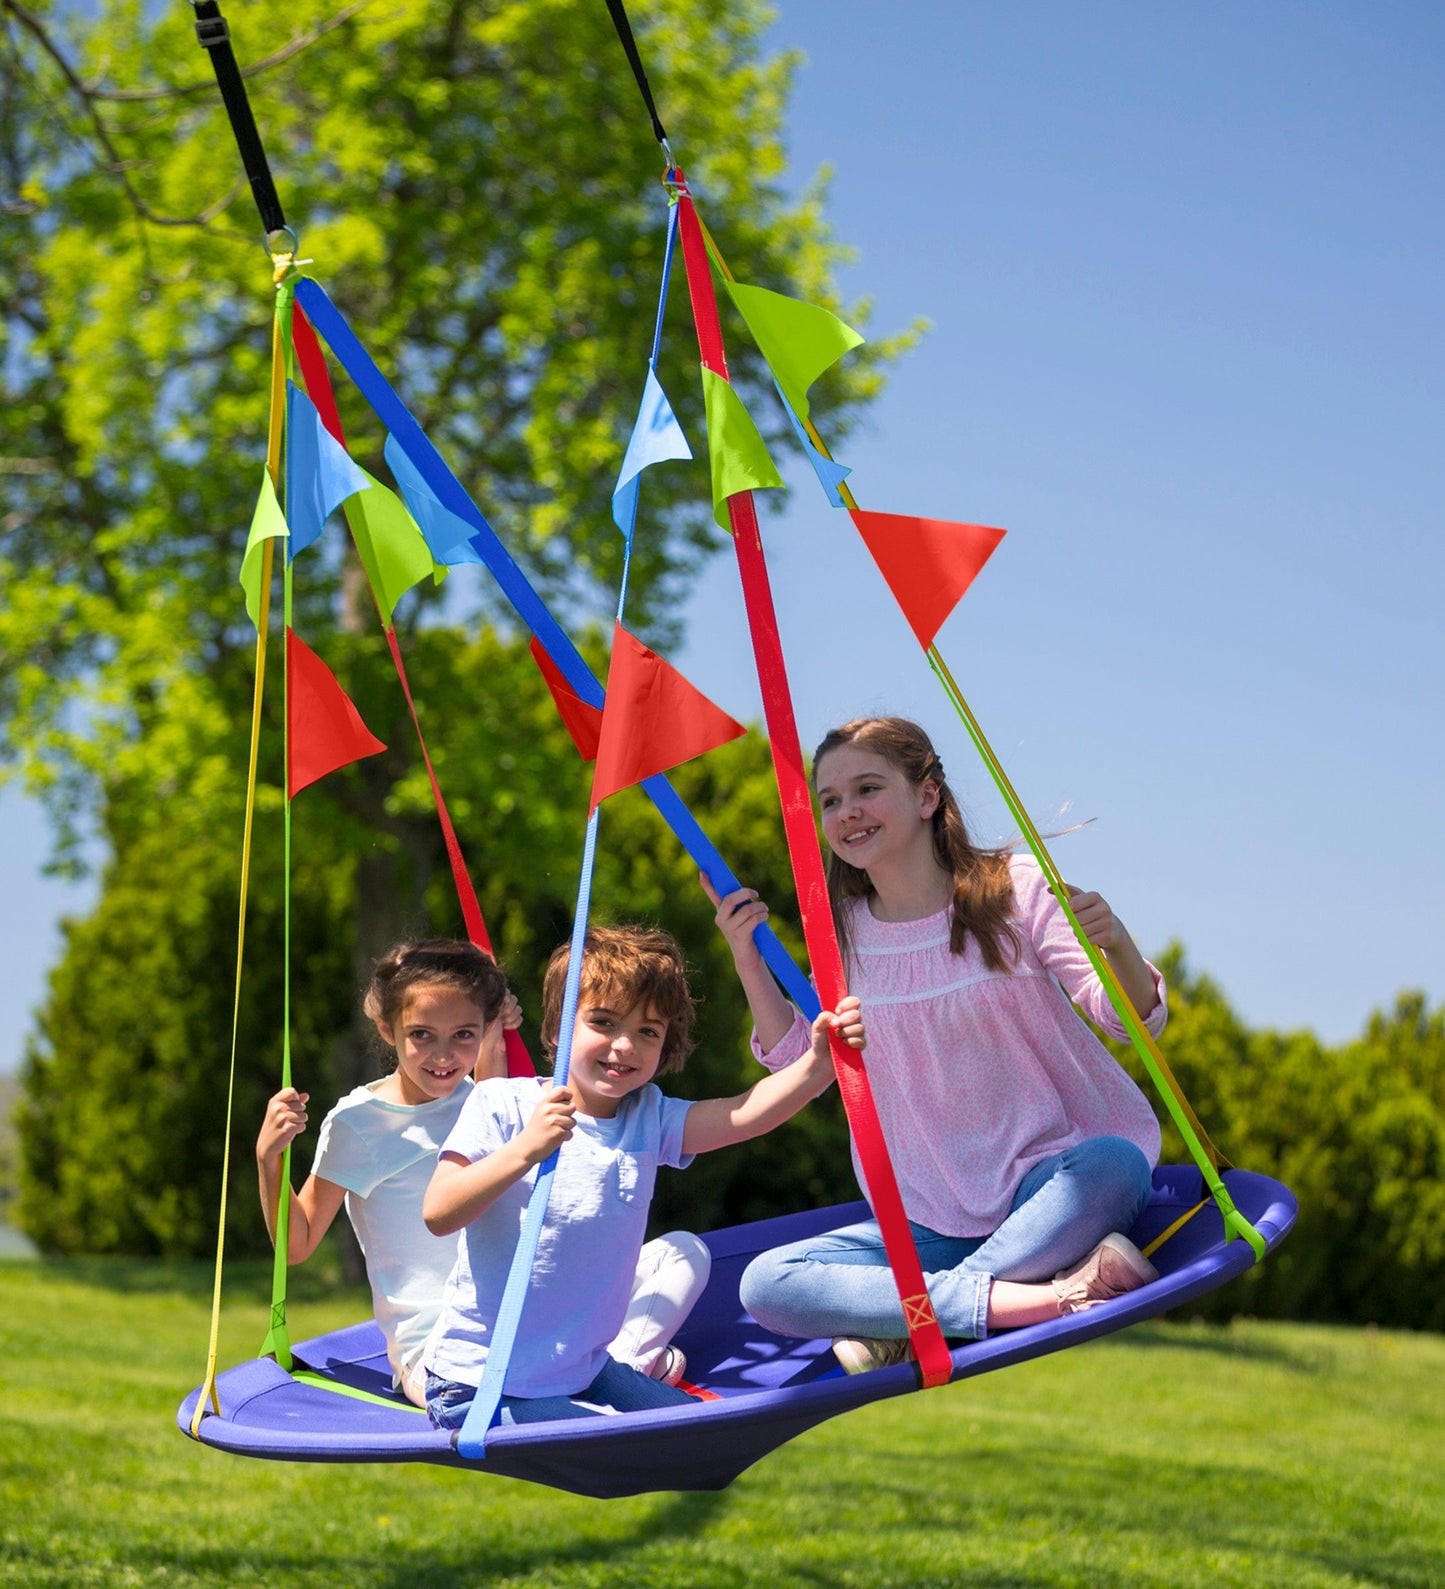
{"x": 1260, "y": 1455}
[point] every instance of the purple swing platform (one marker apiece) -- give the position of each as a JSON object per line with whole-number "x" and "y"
{"x": 769, "y": 1388}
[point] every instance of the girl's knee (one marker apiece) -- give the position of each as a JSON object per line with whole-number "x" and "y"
{"x": 1121, "y": 1165}
{"x": 760, "y": 1281}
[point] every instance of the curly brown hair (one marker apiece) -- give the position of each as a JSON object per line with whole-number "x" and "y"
{"x": 623, "y": 967}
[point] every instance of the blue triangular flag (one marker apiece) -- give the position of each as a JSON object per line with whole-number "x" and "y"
{"x": 830, "y": 473}
{"x": 656, "y": 437}
{"x": 449, "y": 537}
{"x": 319, "y": 472}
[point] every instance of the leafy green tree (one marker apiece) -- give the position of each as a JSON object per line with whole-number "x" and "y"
{"x": 476, "y": 186}
{"x": 126, "y": 1081}
{"x": 1356, "y": 1131}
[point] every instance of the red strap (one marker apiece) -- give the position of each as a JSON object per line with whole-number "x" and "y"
{"x": 318, "y": 387}
{"x": 929, "y": 1346}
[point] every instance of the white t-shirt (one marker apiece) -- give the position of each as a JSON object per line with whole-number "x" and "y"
{"x": 384, "y": 1154}
{"x": 587, "y": 1255}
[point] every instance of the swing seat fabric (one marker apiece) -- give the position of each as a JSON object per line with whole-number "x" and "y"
{"x": 768, "y": 1389}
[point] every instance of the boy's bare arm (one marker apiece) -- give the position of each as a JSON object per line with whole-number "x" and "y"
{"x": 719, "y": 1122}
{"x": 462, "y": 1189}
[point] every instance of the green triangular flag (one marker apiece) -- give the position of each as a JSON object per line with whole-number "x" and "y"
{"x": 393, "y": 550}
{"x": 266, "y": 522}
{"x": 738, "y": 454}
{"x": 799, "y": 340}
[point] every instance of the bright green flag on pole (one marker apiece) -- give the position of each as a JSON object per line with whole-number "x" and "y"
{"x": 799, "y": 340}
{"x": 393, "y": 549}
{"x": 737, "y": 453}
{"x": 266, "y": 522}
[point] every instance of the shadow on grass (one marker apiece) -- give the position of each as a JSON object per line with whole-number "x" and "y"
{"x": 1221, "y": 1341}
{"x": 676, "y": 1518}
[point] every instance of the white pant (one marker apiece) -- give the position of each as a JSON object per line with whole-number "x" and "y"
{"x": 671, "y": 1274}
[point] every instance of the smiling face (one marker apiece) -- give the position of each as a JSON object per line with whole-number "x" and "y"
{"x": 437, "y": 1038}
{"x": 873, "y": 815}
{"x": 614, "y": 1052}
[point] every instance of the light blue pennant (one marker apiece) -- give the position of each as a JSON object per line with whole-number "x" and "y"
{"x": 831, "y": 474}
{"x": 449, "y": 537}
{"x": 319, "y": 472}
{"x": 656, "y": 438}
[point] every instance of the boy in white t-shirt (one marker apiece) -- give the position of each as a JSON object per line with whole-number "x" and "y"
{"x": 614, "y": 1128}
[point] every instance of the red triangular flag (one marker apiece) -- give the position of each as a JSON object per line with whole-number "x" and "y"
{"x": 324, "y": 730}
{"x": 928, "y": 563}
{"x": 653, "y": 719}
{"x": 582, "y": 722}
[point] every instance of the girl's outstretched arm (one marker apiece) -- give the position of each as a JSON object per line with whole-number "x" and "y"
{"x": 737, "y": 914}
{"x": 719, "y": 1122}
{"x": 316, "y": 1205}
{"x": 462, "y": 1188}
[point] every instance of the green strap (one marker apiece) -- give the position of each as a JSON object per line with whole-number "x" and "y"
{"x": 304, "y": 1376}
{"x": 278, "y": 1342}
{"x": 1235, "y": 1224}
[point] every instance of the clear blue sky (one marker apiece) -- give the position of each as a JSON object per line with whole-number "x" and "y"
{"x": 1183, "y": 269}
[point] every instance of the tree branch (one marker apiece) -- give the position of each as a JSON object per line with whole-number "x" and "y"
{"x": 118, "y": 167}
{"x": 301, "y": 42}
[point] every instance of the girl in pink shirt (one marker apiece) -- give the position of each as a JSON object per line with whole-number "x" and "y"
{"x": 1020, "y": 1147}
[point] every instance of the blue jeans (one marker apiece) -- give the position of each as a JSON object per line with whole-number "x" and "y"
{"x": 840, "y": 1283}
{"x": 618, "y": 1386}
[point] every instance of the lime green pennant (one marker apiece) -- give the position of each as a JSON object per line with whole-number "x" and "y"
{"x": 738, "y": 454}
{"x": 393, "y": 550}
{"x": 266, "y": 522}
{"x": 799, "y": 340}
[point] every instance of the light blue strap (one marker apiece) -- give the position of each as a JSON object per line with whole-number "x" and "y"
{"x": 472, "y": 1438}
{"x": 448, "y": 490}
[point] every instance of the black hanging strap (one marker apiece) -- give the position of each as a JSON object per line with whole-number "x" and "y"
{"x": 624, "y": 32}
{"x": 215, "y": 38}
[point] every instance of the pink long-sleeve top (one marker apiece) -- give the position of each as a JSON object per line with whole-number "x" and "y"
{"x": 979, "y": 1075}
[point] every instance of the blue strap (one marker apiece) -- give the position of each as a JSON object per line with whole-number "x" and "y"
{"x": 393, "y": 414}
{"x": 472, "y": 1437}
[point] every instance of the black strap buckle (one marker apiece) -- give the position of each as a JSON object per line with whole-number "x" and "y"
{"x": 212, "y": 32}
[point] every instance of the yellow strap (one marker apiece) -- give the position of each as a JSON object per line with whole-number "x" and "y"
{"x": 1178, "y": 1224}
{"x": 273, "y": 465}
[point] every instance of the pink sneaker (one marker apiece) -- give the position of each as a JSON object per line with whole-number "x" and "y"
{"x": 1114, "y": 1267}
{"x": 861, "y": 1354}
{"x": 669, "y": 1367}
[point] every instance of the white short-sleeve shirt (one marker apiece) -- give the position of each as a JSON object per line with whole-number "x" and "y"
{"x": 384, "y": 1154}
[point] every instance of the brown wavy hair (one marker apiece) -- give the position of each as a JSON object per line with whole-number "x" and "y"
{"x": 983, "y": 894}
{"x": 623, "y": 967}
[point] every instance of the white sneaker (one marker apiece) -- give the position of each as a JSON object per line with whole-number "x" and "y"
{"x": 670, "y": 1366}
